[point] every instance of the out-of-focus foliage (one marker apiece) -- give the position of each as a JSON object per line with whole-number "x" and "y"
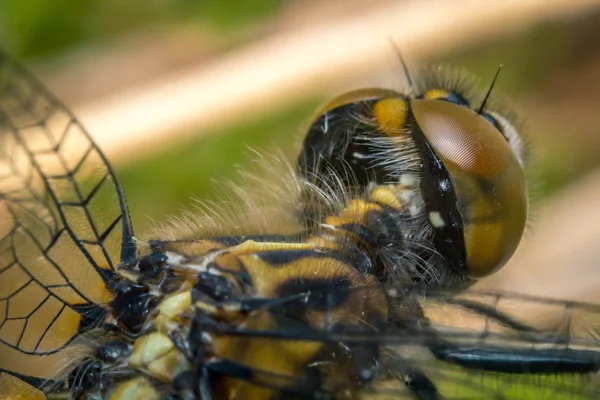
{"x": 162, "y": 185}
{"x": 232, "y": 14}
{"x": 42, "y": 27}
{"x": 524, "y": 66}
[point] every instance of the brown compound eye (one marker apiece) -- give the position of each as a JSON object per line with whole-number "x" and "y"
{"x": 488, "y": 182}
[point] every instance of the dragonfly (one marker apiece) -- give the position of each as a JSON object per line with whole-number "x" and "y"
{"x": 344, "y": 276}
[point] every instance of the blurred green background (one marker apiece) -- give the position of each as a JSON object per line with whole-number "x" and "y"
{"x": 542, "y": 72}
{"x": 39, "y": 27}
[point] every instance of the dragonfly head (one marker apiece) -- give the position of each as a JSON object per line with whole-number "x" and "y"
{"x": 468, "y": 165}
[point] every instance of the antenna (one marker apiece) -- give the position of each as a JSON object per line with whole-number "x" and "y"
{"x": 487, "y": 95}
{"x": 407, "y": 76}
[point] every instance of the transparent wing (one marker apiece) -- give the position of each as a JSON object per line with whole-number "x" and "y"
{"x": 64, "y": 226}
{"x": 506, "y": 345}
{"x": 472, "y": 345}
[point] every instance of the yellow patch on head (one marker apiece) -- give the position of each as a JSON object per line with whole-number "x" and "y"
{"x": 391, "y": 115}
{"x": 435, "y": 94}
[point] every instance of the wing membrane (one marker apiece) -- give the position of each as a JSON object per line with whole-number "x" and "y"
{"x": 13, "y": 388}
{"x": 63, "y": 223}
{"x": 475, "y": 323}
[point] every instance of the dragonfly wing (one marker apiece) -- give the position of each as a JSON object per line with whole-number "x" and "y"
{"x": 497, "y": 352}
{"x": 473, "y": 325}
{"x": 64, "y": 227}
{"x": 13, "y": 388}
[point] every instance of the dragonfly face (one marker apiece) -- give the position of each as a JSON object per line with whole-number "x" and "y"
{"x": 398, "y": 201}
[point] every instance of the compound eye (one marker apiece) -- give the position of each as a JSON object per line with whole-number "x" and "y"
{"x": 487, "y": 177}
